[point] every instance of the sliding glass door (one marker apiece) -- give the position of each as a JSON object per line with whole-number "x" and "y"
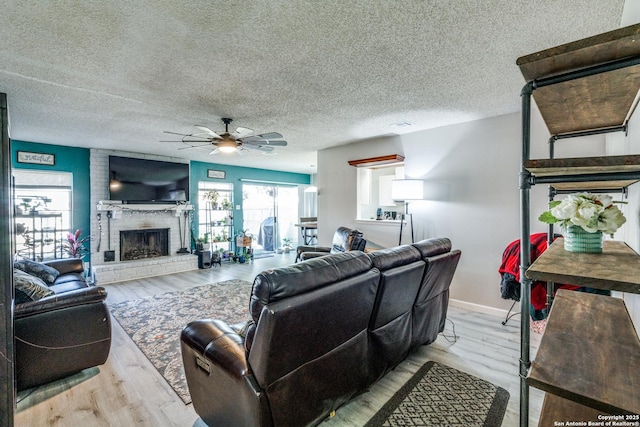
{"x": 269, "y": 214}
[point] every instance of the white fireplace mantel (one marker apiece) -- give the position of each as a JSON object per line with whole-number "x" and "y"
{"x": 119, "y": 207}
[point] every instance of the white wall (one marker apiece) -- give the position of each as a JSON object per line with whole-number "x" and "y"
{"x": 471, "y": 175}
{"x": 337, "y": 195}
{"x": 471, "y": 179}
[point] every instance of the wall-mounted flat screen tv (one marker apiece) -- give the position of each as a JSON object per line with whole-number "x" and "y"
{"x": 134, "y": 180}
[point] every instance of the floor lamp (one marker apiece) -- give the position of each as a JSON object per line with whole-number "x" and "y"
{"x": 406, "y": 190}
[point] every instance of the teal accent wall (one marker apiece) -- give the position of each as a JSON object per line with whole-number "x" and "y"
{"x": 234, "y": 175}
{"x": 76, "y": 161}
{"x": 67, "y": 159}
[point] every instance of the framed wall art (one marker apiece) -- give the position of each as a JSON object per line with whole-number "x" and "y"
{"x": 211, "y": 173}
{"x": 36, "y": 158}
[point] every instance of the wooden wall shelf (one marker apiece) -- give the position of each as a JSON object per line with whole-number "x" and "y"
{"x": 590, "y": 353}
{"x": 610, "y": 95}
{"x": 583, "y": 165}
{"x": 616, "y": 268}
{"x": 555, "y": 408}
{"x": 377, "y": 161}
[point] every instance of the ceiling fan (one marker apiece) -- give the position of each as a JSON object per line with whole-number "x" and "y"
{"x": 229, "y": 142}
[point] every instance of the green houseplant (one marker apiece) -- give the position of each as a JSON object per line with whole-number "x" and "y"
{"x": 286, "y": 245}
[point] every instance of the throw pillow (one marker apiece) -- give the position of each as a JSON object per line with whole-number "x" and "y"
{"x": 33, "y": 287}
{"x": 41, "y": 271}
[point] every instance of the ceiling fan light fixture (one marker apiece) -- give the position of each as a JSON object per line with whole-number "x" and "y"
{"x": 240, "y": 140}
{"x": 227, "y": 146}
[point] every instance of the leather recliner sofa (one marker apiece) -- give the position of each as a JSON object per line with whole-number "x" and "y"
{"x": 63, "y": 333}
{"x": 344, "y": 240}
{"x": 321, "y": 332}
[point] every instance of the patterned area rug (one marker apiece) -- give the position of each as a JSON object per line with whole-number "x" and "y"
{"x": 155, "y": 323}
{"x": 438, "y": 395}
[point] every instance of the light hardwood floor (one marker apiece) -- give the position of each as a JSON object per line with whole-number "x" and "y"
{"x": 128, "y": 391}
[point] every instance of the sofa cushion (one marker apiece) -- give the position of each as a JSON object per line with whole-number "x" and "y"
{"x": 39, "y": 270}
{"x": 60, "y": 287}
{"x": 28, "y": 287}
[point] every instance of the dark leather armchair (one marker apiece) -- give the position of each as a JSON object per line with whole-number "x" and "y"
{"x": 344, "y": 240}
{"x": 63, "y": 333}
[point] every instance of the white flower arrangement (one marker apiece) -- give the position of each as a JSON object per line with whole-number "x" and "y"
{"x": 592, "y": 212}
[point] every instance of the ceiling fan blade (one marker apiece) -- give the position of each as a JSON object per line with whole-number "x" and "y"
{"x": 205, "y": 141}
{"x": 265, "y": 142}
{"x": 208, "y": 131}
{"x": 176, "y": 133}
{"x": 214, "y": 152}
{"x": 263, "y": 148}
{"x": 241, "y": 132}
{"x": 270, "y": 135}
{"x": 277, "y": 143}
{"x": 196, "y": 145}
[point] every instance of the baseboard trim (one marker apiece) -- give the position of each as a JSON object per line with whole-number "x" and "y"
{"x": 499, "y": 312}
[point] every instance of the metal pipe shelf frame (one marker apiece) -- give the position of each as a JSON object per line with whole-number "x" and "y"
{"x": 527, "y": 180}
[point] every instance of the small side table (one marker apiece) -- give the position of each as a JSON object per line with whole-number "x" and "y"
{"x": 308, "y": 231}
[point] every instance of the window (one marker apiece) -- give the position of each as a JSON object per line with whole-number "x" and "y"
{"x": 374, "y": 192}
{"x": 269, "y": 213}
{"x": 43, "y": 206}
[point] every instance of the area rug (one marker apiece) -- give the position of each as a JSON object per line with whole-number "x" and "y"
{"x": 438, "y": 395}
{"x": 154, "y": 323}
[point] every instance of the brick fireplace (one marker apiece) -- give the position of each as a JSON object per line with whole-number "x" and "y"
{"x": 142, "y": 244}
{"x": 146, "y": 253}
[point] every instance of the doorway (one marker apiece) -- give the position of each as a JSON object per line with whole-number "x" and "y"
{"x": 269, "y": 214}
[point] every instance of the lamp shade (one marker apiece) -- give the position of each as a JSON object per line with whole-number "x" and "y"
{"x": 311, "y": 189}
{"x": 407, "y": 189}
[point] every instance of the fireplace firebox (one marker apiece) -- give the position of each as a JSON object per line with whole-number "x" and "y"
{"x": 141, "y": 244}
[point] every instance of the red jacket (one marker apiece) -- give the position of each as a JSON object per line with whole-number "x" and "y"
{"x": 510, "y": 272}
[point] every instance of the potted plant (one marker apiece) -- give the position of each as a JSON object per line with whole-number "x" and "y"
{"x": 200, "y": 244}
{"x": 286, "y": 245}
{"x": 583, "y": 218}
{"x": 212, "y": 197}
{"x": 74, "y": 245}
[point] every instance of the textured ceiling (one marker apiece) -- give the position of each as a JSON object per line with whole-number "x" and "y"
{"x": 116, "y": 74}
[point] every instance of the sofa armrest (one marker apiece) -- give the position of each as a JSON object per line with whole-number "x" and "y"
{"x": 218, "y": 376}
{"x": 305, "y": 248}
{"x": 218, "y": 342}
{"x": 90, "y": 295}
{"x": 66, "y": 265}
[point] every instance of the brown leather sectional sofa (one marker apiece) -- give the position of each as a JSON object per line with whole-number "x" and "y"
{"x": 322, "y": 331}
